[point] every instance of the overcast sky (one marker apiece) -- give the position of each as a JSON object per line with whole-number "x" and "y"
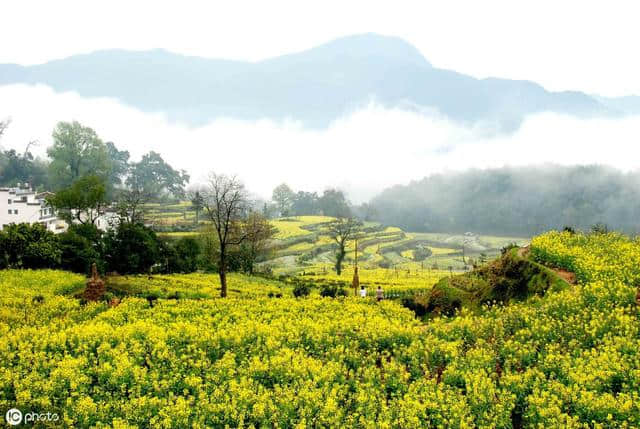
{"x": 585, "y": 45}
{"x": 579, "y": 45}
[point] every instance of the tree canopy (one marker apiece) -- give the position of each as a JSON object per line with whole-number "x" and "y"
{"x": 152, "y": 176}
{"x": 81, "y": 202}
{"x": 77, "y": 151}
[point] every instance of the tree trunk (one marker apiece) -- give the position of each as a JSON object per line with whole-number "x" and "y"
{"x": 223, "y": 282}
{"x": 339, "y": 259}
{"x": 222, "y": 269}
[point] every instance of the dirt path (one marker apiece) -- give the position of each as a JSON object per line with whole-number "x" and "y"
{"x": 565, "y": 275}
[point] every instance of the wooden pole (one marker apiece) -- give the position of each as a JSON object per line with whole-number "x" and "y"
{"x": 356, "y": 280}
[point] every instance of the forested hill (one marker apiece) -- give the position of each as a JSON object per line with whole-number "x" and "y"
{"x": 314, "y": 87}
{"x": 518, "y": 201}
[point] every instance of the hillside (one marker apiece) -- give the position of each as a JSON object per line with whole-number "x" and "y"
{"x": 511, "y": 277}
{"x": 520, "y": 201}
{"x": 303, "y": 243}
{"x": 402, "y": 263}
{"x": 314, "y": 87}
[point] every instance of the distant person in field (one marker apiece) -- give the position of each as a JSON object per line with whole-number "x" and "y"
{"x": 363, "y": 292}
{"x": 379, "y": 293}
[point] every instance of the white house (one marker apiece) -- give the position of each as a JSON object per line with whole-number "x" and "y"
{"x": 23, "y": 205}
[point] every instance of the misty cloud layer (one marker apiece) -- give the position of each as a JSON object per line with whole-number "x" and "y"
{"x": 362, "y": 153}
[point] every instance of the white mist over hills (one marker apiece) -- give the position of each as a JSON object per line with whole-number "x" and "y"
{"x": 362, "y": 152}
{"x": 314, "y": 87}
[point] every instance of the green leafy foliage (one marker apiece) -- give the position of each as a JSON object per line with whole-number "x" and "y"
{"x": 28, "y": 246}
{"x": 301, "y": 289}
{"x": 81, "y": 246}
{"x": 183, "y": 255}
{"x": 77, "y": 151}
{"x": 332, "y": 291}
{"x": 131, "y": 248}
{"x": 82, "y": 201}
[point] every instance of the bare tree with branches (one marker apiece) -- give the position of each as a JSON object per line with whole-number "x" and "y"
{"x": 258, "y": 231}
{"x": 341, "y": 231}
{"x": 226, "y": 204}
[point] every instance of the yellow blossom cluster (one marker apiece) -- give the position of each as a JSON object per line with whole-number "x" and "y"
{"x": 196, "y": 285}
{"x": 598, "y": 256}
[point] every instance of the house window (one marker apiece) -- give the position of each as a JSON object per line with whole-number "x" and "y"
{"x": 9, "y": 211}
{"x": 15, "y": 212}
{"x": 9, "y": 200}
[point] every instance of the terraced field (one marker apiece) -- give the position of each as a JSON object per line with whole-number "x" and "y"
{"x": 303, "y": 244}
{"x": 400, "y": 262}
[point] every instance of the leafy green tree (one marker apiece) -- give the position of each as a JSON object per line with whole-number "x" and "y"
{"x": 81, "y": 246}
{"x": 147, "y": 180}
{"x": 82, "y": 202}
{"x": 184, "y": 255}
{"x": 119, "y": 160}
{"x": 28, "y": 246}
{"x": 22, "y": 168}
{"x": 152, "y": 176}
{"x": 130, "y": 205}
{"x": 305, "y": 203}
{"x": 77, "y": 151}
{"x": 283, "y": 197}
{"x": 131, "y": 248}
{"x": 334, "y": 203}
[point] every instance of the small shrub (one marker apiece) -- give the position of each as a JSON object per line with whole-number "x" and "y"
{"x": 600, "y": 228}
{"x": 301, "y": 289}
{"x": 152, "y": 297}
{"x": 421, "y": 253}
{"x": 417, "y": 304}
{"x": 38, "y": 299}
{"x": 332, "y": 291}
{"x": 175, "y": 295}
{"x": 108, "y": 296}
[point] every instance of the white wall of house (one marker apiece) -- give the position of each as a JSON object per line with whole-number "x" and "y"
{"x": 107, "y": 221}
{"x": 4, "y": 206}
{"x": 21, "y": 205}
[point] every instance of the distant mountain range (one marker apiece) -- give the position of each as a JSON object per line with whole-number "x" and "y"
{"x": 314, "y": 86}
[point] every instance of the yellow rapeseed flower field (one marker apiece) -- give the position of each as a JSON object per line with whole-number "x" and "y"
{"x": 570, "y": 359}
